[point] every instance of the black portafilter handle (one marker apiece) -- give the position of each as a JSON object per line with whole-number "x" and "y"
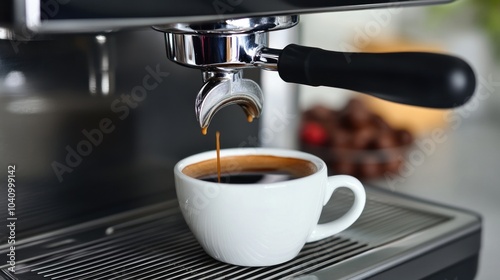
{"x": 413, "y": 78}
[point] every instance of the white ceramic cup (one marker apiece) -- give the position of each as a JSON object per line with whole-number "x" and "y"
{"x": 266, "y": 223}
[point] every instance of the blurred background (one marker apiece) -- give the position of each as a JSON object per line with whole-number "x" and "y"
{"x": 449, "y": 156}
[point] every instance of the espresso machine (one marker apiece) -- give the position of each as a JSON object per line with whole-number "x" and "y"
{"x": 96, "y": 106}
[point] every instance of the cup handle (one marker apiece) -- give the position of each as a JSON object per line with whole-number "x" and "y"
{"x": 325, "y": 230}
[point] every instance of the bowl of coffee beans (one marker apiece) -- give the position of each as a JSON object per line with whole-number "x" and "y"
{"x": 354, "y": 140}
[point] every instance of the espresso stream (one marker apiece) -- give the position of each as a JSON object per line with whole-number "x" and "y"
{"x": 217, "y": 145}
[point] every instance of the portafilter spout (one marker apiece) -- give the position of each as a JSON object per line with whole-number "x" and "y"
{"x": 226, "y": 88}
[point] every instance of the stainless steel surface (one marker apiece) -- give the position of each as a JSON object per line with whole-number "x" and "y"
{"x": 102, "y": 65}
{"x": 37, "y": 16}
{"x": 221, "y": 51}
{"x": 267, "y": 59}
{"x": 232, "y": 26}
{"x": 159, "y": 245}
{"x": 225, "y": 45}
{"x": 214, "y": 51}
{"x": 46, "y": 68}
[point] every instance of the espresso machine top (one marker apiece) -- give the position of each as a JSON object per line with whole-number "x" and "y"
{"x": 102, "y": 16}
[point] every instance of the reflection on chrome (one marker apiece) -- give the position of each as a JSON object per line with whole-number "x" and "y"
{"x": 27, "y": 106}
{"x": 101, "y": 77}
{"x": 5, "y": 33}
{"x": 14, "y": 79}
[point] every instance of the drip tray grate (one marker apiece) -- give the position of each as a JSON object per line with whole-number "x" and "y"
{"x": 160, "y": 246}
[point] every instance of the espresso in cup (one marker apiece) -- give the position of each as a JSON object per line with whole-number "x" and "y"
{"x": 251, "y": 169}
{"x": 251, "y": 220}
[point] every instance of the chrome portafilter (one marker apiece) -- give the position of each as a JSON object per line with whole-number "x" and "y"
{"x": 222, "y": 50}
{"x": 226, "y": 88}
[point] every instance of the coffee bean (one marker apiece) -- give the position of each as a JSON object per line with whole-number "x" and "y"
{"x": 380, "y": 123}
{"x": 340, "y": 138}
{"x": 355, "y": 116}
{"x": 355, "y": 104}
{"x": 404, "y": 137}
{"x": 363, "y": 137}
{"x": 385, "y": 140}
{"x": 320, "y": 113}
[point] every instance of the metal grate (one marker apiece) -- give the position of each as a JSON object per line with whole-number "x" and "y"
{"x": 162, "y": 247}
{"x": 381, "y": 222}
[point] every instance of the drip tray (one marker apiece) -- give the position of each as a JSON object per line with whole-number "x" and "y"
{"x": 395, "y": 238}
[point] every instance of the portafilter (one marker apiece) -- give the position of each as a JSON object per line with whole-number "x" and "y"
{"x": 222, "y": 49}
